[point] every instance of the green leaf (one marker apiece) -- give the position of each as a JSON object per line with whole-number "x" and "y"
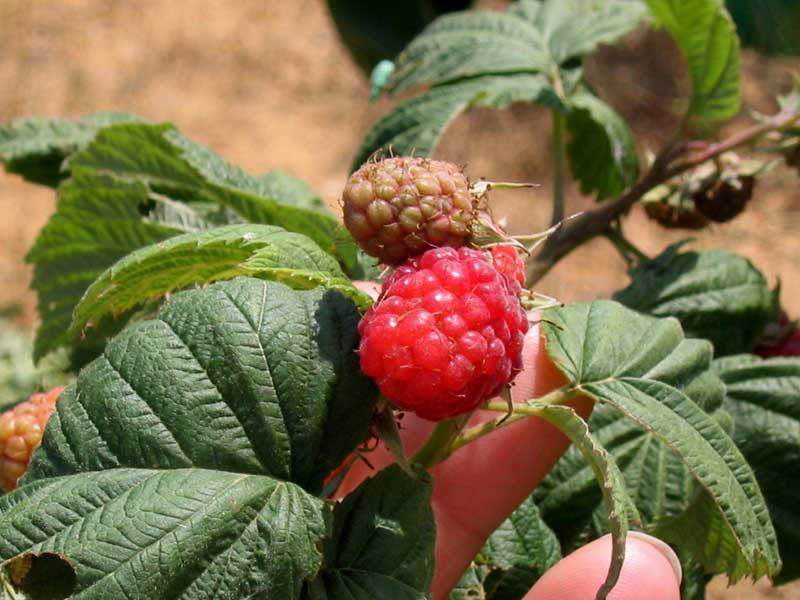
{"x": 183, "y": 533}
{"x": 246, "y": 376}
{"x": 615, "y": 356}
{"x": 574, "y": 28}
{"x": 517, "y": 553}
{"x": 529, "y": 38}
{"x": 98, "y": 221}
{"x": 198, "y": 258}
{"x": 19, "y": 377}
{"x": 415, "y": 126}
{"x": 523, "y": 540}
{"x": 381, "y": 32}
{"x": 658, "y": 481}
{"x": 139, "y": 184}
{"x": 511, "y": 584}
{"x": 715, "y": 295}
{"x": 601, "y": 149}
{"x": 764, "y": 398}
{"x": 706, "y": 36}
{"x": 470, "y": 586}
{"x": 165, "y": 162}
{"x": 483, "y": 58}
{"x": 619, "y": 506}
{"x": 35, "y": 148}
{"x": 290, "y": 190}
{"x": 465, "y": 44}
{"x": 694, "y": 580}
{"x": 381, "y": 542}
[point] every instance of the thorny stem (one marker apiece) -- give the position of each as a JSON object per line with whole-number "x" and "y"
{"x": 597, "y": 221}
{"x": 782, "y": 120}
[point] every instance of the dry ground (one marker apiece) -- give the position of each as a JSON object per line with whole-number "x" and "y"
{"x": 267, "y": 84}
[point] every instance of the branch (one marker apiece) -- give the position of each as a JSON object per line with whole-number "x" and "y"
{"x": 782, "y": 120}
{"x": 587, "y": 225}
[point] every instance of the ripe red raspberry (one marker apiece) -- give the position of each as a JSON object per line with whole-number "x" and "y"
{"x": 400, "y": 207}
{"x": 445, "y": 334}
{"x": 21, "y": 430}
{"x": 506, "y": 259}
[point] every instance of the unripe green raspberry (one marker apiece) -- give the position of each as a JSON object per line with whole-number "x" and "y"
{"x": 399, "y": 207}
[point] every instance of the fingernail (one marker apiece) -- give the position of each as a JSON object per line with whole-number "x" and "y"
{"x": 664, "y": 549}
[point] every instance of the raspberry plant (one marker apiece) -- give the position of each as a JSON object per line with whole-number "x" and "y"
{"x": 226, "y": 364}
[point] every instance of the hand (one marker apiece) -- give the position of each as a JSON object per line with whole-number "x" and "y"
{"x": 481, "y": 484}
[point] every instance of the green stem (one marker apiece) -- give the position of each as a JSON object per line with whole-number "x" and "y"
{"x": 449, "y": 437}
{"x": 438, "y": 446}
{"x": 557, "y": 396}
{"x": 559, "y": 167}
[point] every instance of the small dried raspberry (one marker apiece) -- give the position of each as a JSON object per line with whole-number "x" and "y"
{"x": 402, "y": 206}
{"x": 445, "y": 335}
{"x": 21, "y": 430}
{"x": 726, "y": 198}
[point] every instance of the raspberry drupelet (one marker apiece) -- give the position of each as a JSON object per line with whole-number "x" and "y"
{"x": 507, "y": 260}
{"x": 445, "y": 335}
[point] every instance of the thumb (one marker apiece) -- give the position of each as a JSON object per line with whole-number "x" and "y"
{"x": 651, "y": 570}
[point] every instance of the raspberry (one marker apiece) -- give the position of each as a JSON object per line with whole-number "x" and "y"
{"x": 399, "y": 207}
{"x": 789, "y": 347}
{"x": 21, "y": 430}
{"x": 726, "y": 199}
{"x": 781, "y": 338}
{"x": 445, "y": 334}
{"x": 507, "y": 260}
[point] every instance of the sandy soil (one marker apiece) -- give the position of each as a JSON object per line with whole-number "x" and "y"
{"x": 268, "y": 85}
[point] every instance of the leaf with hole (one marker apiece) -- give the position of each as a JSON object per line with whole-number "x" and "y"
{"x": 170, "y": 534}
